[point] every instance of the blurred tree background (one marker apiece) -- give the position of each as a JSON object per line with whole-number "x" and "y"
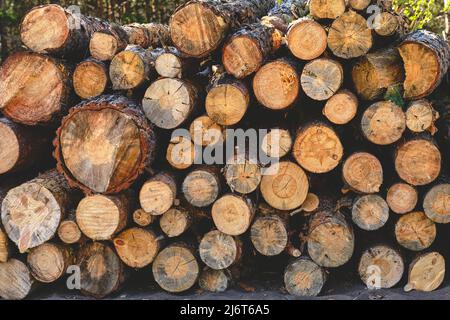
{"x": 430, "y": 14}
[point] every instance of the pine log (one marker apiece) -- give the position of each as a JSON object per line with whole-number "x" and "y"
{"x": 304, "y": 278}
{"x": 215, "y": 281}
{"x": 376, "y": 72}
{"x": 176, "y": 222}
{"x": 31, "y": 212}
{"x": 173, "y": 64}
{"x": 426, "y": 57}
{"x": 4, "y": 246}
{"x": 69, "y": 232}
{"x": 142, "y": 218}
{"x": 16, "y": 281}
{"x": 220, "y": 251}
{"x": 306, "y": 39}
{"x": 341, "y": 108}
{"x": 277, "y": 143}
{"x": 402, "y": 198}
{"x": 100, "y": 217}
{"x": 49, "y": 262}
{"x": 35, "y": 89}
{"x": 421, "y": 117}
{"x": 21, "y": 147}
{"x": 370, "y": 212}
{"x": 243, "y": 175}
{"x": 168, "y": 102}
{"x": 415, "y": 231}
{"x": 359, "y": 4}
{"x": 381, "y": 267}
{"x": 102, "y": 272}
{"x": 363, "y": 173}
{"x": 310, "y": 205}
{"x": 317, "y": 148}
{"x": 322, "y": 78}
{"x": 389, "y": 24}
{"x": 327, "y": 9}
{"x": 202, "y": 187}
{"x": 418, "y": 162}
{"x": 181, "y": 153}
{"x": 205, "y": 132}
{"x": 104, "y": 144}
{"x": 176, "y": 269}
{"x": 90, "y": 78}
{"x": 426, "y": 272}
{"x": 383, "y": 123}
{"x": 277, "y": 84}
{"x": 158, "y": 194}
{"x": 437, "y": 203}
{"x": 233, "y": 214}
{"x": 198, "y": 27}
{"x": 269, "y": 235}
{"x": 137, "y": 247}
{"x": 285, "y": 187}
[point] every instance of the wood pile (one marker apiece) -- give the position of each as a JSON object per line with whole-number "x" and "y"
{"x": 359, "y": 149}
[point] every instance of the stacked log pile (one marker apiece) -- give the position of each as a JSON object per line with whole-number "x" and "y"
{"x": 352, "y": 168}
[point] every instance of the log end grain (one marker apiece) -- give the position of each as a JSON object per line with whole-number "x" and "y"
{"x": 437, "y": 203}
{"x": 219, "y": 251}
{"x": 304, "y": 278}
{"x": 277, "y": 143}
{"x": 370, "y": 212}
{"x": 269, "y": 235}
{"x": 421, "y": 116}
{"x": 142, "y": 218}
{"x": 104, "y": 46}
{"x": 90, "y": 79}
{"x": 215, "y": 281}
{"x": 69, "y": 232}
{"x": 232, "y": 214}
{"x": 327, "y": 9}
{"x": 205, "y": 132}
{"x": 243, "y": 177}
{"x": 415, "y": 231}
{"x": 9, "y": 147}
{"x": 181, "y": 153}
{"x": 363, "y": 173}
{"x": 322, "y": 78}
{"x": 158, "y": 194}
{"x": 175, "y": 222}
{"x": 16, "y": 281}
{"x": 201, "y": 188}
{"x": 426, "y": 273}
{"x": 341, "y": 108}
{"x": 402, "y": 198}
{"x": 49, "y": 262}
{"x": 306, "y": 39}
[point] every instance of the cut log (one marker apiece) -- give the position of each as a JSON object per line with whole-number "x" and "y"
{"x": 415, "y": 231}
{"x": 176, "y": 222}
{"x": 437, "y": 203}
{"x": 198, "y": 28}
{"x": 102, "y": 272}
{"x": 341, "y": 108}
{"x": 363, "y": 173}
{"x": 269, "y": 235}
{"x": 383, "y": 123}
{"x": 49, "y": 262}
{"x": 220, "y": 251}
{"x": 215, "y": 281}
{"x": 359, "y": 4}
{"x": 426, "y": 57}
{"x": 285, "y": 187}
{"x": 370, "y": 212}
{"x": 181, "y": 153}
{"x": 388, "y": 24}
{"x": 137, "y": 247}
{"x": 330, "y": 239}
{"x": 21, "y": 147}
{"x": 142, "y": 218}
{"x": 100, "y": 217}
{"x": 176, "y": 269}
{"x": 158, "y": 194}
{"x": 69, "y": 232}
{"x": 327, "y": 9}
{"x": 16, "y": 281}
{"x": 317, "y": 148}
{"x": 201, "y": 187}
{"x": 277, "y": 143}
{"x": 376, "y": 72}
{"x": 35, "y": 89}
{"x": 306, "y": 39}
{"x": 4, "y": 246}
{"x": 350, "y": 36}
{"x": 205, "y": 132}
{"x": 402, "y": 198}
{"x": 310, "y": 205}
{"x": 381, "y": 267}
{"x": 277, "y": 84}
{"x": 227, "y": 101}
{"x": 426, "y": 272}
{"x": 421, "y": 116}
{"x": 304, "y": 278}
{"x": 418, "y": 162}
{"x": 232, "y": 214}
{"x": 31, "y": 212}
{"x": 322, "y": 78}
{"x": 243, "y": 175}
{"x": 173, "y": 64}
{"x": 104, "y": 144}
{"x": 90, "y": 78}
{"x": 168, "y": 103}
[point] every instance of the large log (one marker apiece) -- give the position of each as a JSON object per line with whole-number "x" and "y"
{"x": 215, "y": 281}
{"x": 304, "y": 278}
{"x": 104, "y": 144}
{"x": 430, "y": 264}
{"x": 270, "y": 235}
{"x": 220, "y": 251}
{"x": 90, "y": 78}
{"x": 415, "y": 231}
{"x": 16, "y": 281}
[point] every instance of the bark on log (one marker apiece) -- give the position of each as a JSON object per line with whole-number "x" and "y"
{"x": 304, "y": 278}
{"x": 158, "y": 194}
{"x": 176, "y": 222}
{"x": 201, "y": 187}
{"x": 421, "y": 117}
{"x": 327, "y": 9}
{"x": 104, "y": 144}
{"x": 220, "y": 251}
{"x": 16, "y": 281}
{"x": 437, "y": 203}
{"x": 341, "y": 108}
{"x": 430, "y": 264}
{"x": 363, "y": 173}
{"x": 215, "y": 281}
{"x": 415, "y": 231}
{"x": 277, "y": 143}
{"x": 402, "y": 198}
{"x": 90, "y": 78}
{"x": 322, "y": 78}
{"x": 232, "y": 214}
{"x": 306, "y": 39}
{"x": 370, "y": 212}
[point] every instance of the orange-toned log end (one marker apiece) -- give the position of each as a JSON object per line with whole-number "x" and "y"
{"x": 402, "y": 198}
{"x": 242, "y": 56}
{"x": 437, "y": 203}
{"x": 415, "y": 231}
{"x": 327, "y": 9}
{"x": 233, "y": 214}
{"x": 432, "y": 265}
{"x": 359, "y": 4}
{"x": 69, "y": 232}
{"x": 158, "y": 194}
{"x": 306, "y": 39}
{"x": 363, "y": 173}
{"x": 9, "y": 146}
{"x": 421, "y": 117}
{"x": 341, "y": 108}
{"x": 104, "y": 46}
{"x": 90, "y": 79}
{"x": 388, "y": 25}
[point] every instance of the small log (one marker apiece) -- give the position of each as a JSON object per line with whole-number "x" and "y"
{"x": 90, "y": 78}
{"x": 232, "y": 214}
{"x": 381, "y": 267}
{"x": 277, "y": 143}
{"x": 16, "y": 281}
{"x": 201, "y": 187}
{"x": 176, "y": 222}
{"x": 220, "y": 251}
{"x": 285, "y": 187}
{"x": 168, "y": 103}
{"x": 426, "y": 272}
{"x": 322, "y": 78}
{"x": 142, "y": 218}
{"x": 31, "y": 212}
{"x": 437, "y": 203}
{"x": 426, "y": 57}
{"x": 418, "y": 162}
{"x": 341, "y": 108}
{"x": 370, "y": 212}
{"x": 102, "y": 272}
{"x": 100, "y": 217}
{"x": 269, "y": 235}
{"x": 327, "y": 9}
{"x": 415, "y": 231}
{"x": 359, "y": 4}
{"x": 181, "y": 153}
{"x": 388, "y": 24}
{"x": 402, "y": 198}
{"x": 176, "y": 269}
{"x": 243, "y": 175}
{"x": 317, "y": 148}
{"x": 173, "y": 64}
{"x": 215, "y": 281}
{"x": 49, "y": 262}
{"x": 306, "y": 39}
{"x": 421, "y": 117}
{"x": 69, "y": 232}
{"x": 205, "y": 132}
{"x": 137, "y": 247}
{"x": 304, "y": 278}
{"x": 158, "y": 194}
{"x": 383, "y": 123}
{"x": 310, "y": 205}
{"x": 363, "y": 173}
{"x": 4, "y": 246}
